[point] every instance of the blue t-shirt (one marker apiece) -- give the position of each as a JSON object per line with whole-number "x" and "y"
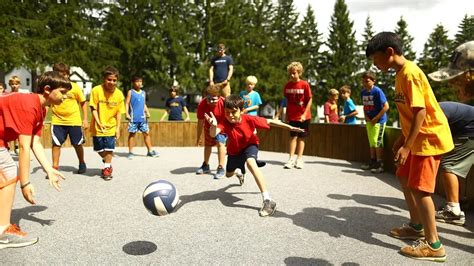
{"x": 175, "y": 106}
{"x": 349, "y": 107}
{"x": 221, "y": 67}
{"x": 137, "y": 106}
{"x": 373, "y": 102}
{"x": 251, "y": 99}
{"x": 460, "y": 118}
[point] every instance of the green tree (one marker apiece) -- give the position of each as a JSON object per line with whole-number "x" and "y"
{"x": 402, "y": 31}
{"x": 366, "y": 63}
{"x": 465, "y": 32}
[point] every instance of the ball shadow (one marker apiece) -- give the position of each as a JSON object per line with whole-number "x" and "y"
{"x": 139, "y": 248}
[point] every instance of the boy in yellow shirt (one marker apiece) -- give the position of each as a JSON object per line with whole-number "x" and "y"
{"x": 425, "y": 136}
{"x": 107, "y": 105}
{"x": 66, "y": 120}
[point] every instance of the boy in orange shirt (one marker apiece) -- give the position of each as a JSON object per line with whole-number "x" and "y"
{"x": 425, "y": 136}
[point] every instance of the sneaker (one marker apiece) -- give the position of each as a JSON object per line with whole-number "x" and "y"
{"x": 82, "y": 168}
{"x": 407, "y": 232}
{"x": 299, "y": 164}
{"x": 377, "y": 168}
{"x": 130, "y": 156}
{"x": 107, "y": 173}
{"x": 261, "y": 163}
{"x": 17, "y": 150}
{"x": 240, "y": 176}
{"x": 268, "y": 208}
{"x": 220, "y": 173}
{"x": 446, "y": 215}
{"x": 367, "y": 166}
{"x": 422, "y": 250}
{"x": 152, "y": 154}
{"x": 204, "y": 169}
{"x": 290, "y": 164}
{"x": 13, "y": 237}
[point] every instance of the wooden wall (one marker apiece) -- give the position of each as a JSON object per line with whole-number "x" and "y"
{"x": 346, "y": 142}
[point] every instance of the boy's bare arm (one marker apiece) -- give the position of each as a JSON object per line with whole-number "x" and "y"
{"x": 118, "y": 117}
{"x": 85, "y": 116}
{"x": 147, "y": 112}
{"x": 186, "y": 112}
{"x": 211, "y": 75}
{"x": 251, "y": 108}
{"x": 376, "y": 118}
{"x": 278, "y": 123}
{"x": 211, "y": 119}
{"x": 95, "y": 114}
{"x": 307, "y": 110}
{"x": 165, "y": 114}
{"x": 24, "y": 145}
{"x": 419, "y": 115}
{"x": 200, "y": 126}
{"x": 127, "y": 104}
{"x": 54, "y": 175}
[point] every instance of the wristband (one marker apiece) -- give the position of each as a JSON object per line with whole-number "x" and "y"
{"x": 25, "y": 185}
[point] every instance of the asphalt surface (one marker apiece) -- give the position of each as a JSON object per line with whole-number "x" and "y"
{"x": 329, "y": 213}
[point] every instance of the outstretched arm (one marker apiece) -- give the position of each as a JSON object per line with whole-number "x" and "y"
{"x": 278, "y": 123}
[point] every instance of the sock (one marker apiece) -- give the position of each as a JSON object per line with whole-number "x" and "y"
{"x": 106, "y": 165}
{"x": 436, "y": 244}
{"x": 455, "y": 207}
{"x": 265, "y": 195}
{"x": 417, "y": 227}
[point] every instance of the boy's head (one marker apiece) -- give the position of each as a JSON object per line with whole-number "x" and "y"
{"x": 110, "y": 76}
{"x": 220, "y": 49}
{"x": 460, "y": 71}
{"x": 233, "y": 106}
{"x": 251, "y": 81}
{"x": 137, "y": 82}
{"x": 173, "y": 91}
{"x": 382, "y": 48}
{"x": 345, "y": 92}
{"x": 14, "y": 82}
{"x": 295, "y": 70}
{"x": 213, "y": 92}
{"x": 62, "y": 68}
{"x": 333, "y": 95}
{"x": 368, "y": 80}
{"x": 53, "y": 85}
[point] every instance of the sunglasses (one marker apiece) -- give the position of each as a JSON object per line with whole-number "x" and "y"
{"x": 212, "y": 98}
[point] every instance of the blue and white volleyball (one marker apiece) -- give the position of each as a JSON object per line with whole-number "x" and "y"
{"x": 160, "y": 197}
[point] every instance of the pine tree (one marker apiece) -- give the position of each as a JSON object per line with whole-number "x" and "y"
{"x": 466, "y": 31}
{"x": 402, "y": 31}
{"x": 365, "y": 63}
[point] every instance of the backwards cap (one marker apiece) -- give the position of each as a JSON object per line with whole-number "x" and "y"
{"x": 461, "y": 61}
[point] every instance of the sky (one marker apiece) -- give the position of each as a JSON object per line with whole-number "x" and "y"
{"x": 422, "y": 16}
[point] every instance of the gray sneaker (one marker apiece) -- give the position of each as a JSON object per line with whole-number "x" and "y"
{"x": 220, "y": 173}
{"x": 130, "y": 156}
{"x": 240, "y": 176}
{"x": 13, "y": 237}
{"x": 446, "y": 215}
{"x": 152, "y": 154}
{"x": 268, "y": 208}
{"x": 377, "y": 168}
{"x": 367, "y": 166}
{"x": 204, "y": 169}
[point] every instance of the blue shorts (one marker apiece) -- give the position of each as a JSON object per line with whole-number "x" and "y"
{"x": 238, "y": 161}
{"x": 59, "y": 134}
{"x": 134, "y": 127}
{"x": 104, "y": 143}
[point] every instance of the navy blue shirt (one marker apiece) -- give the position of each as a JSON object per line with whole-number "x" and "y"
{"x": 175, "y": 106}
{"x": 460, "y": 118}
{"x": 221, "y": 67}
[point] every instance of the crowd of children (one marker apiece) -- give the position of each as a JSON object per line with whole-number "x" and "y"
{"x": 433, "y": 135}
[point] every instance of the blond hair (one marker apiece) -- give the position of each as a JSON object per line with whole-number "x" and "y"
{"x": 295, "y": 65}
{"x": 14, "y": 80}
{"x": 214, "y": 90}
{"x": 333, "y": 92}
{"x": 251, "y": 79}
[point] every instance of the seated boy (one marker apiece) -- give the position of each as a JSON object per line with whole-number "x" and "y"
{"x": 242, "y": 144}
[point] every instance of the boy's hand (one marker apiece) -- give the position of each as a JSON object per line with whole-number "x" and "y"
{"x": 28, "y": 193}
{"x": 117, "y": 133}
{"x": 128, "y": 117}
{"x": 85, "y": 124}
{"x": 303, "y": 118}
{"x": 148, "y": 115}
{"x": 211, "y": 119}
{"x": 296, "y": 129}
{"x": 186, "y": 119}
{"x": 401, "y": 155}
{"x": 342, "y": 118}
{"x": 54, "y": 178}
{"x": 101, "y": 127}
{"x": 374, "y": 120}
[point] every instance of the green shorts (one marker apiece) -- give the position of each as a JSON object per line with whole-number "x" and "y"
{"x": 460, "y": 160}
{"x": 375, "y": 134}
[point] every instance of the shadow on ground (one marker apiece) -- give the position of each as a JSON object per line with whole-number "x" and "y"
{"x": 139, "y": 248}
{"x": 28, "y": 213}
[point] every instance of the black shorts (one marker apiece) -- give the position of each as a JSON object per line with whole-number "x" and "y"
{"x": 59, "y": 134}
{"x": 238, "y": 161}
{"x": 304, "y": 125}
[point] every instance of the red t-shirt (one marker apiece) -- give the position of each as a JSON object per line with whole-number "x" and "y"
{"x": 241, "y": 135}
{"x": 297, "y": 95}
{"x": 333, "y": 116}
{"x": 205, "y": 108}
{"x": 20, "y": 114}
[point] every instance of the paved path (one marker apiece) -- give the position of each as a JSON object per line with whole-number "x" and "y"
{"x": 329, "y": 213}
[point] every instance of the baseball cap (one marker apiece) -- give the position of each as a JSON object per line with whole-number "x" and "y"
{"x": 461, "y": 61}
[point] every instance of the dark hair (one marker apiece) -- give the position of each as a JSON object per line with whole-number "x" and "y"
{"x": 369, "y": 74}
{"x": 220, "y": 46}
{"x": 234, "y": 102}
{"x": 174, "y": 88}
{"x": 53, "y": 79}
{"x": 344, "y": 89}
{"x": 110, "y": 70}
{"x": 383, "y": 40}
{"x": 61, "y": 67}
{"x": 2, "y": 85}
{"x": 135, "y": 78}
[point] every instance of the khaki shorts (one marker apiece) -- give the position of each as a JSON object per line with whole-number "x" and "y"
{"x": 225, "y": 90}
{"x": 460, "y": 160}
{"x": 8, "y": 168}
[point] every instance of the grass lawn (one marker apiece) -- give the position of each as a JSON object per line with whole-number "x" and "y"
{"x": 156, "y": 114}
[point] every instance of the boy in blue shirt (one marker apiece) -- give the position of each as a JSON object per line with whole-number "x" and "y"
{"x": 175, "y": 105}
{"x": 350, "y": 112}
{"x": 137, "y": 114}
{"x": 251, "y": 98}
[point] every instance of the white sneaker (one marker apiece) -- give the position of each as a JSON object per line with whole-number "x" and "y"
{"x": 240, "y": 176}
{"x": 299, "y": 164}
{"x": 290, "y": 164}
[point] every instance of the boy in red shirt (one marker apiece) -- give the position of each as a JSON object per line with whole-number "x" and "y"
{"x": 298, "y": 112}
{"x": 21, "y": 117}
{"x": 242, "y": 144}
{"x": 214, "y": 103}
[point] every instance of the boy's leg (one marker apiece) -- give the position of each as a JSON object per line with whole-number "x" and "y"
{"x": 451, "y": 187}
{"x": 77, "y": 139}
{"x": 221, "y": 150}
{"x": 56, "y": 153}
{"x": 426, "y": 211}
{"x": 7, "y": 195}
{"x": 207, "y": 154}
{"x": 291, "y": 152}
{"x": 147, "y": 140}
{"x": 131, "y": 141}
{"x": 58, "y": 137}
{"x": 257, "y": 174}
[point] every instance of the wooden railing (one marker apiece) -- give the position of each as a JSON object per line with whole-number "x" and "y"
{"x": 346, "y": 142}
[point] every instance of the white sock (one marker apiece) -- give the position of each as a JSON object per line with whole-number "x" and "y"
{"x": 455, "y": 207}
{"x": 106, "y": 165}
{"x": 265, "y": 195}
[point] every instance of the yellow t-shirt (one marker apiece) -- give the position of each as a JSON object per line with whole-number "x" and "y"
{"x": 412, "y": 89}
{"x": 68, "y": 112}
{"x": 107, "y": 109}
